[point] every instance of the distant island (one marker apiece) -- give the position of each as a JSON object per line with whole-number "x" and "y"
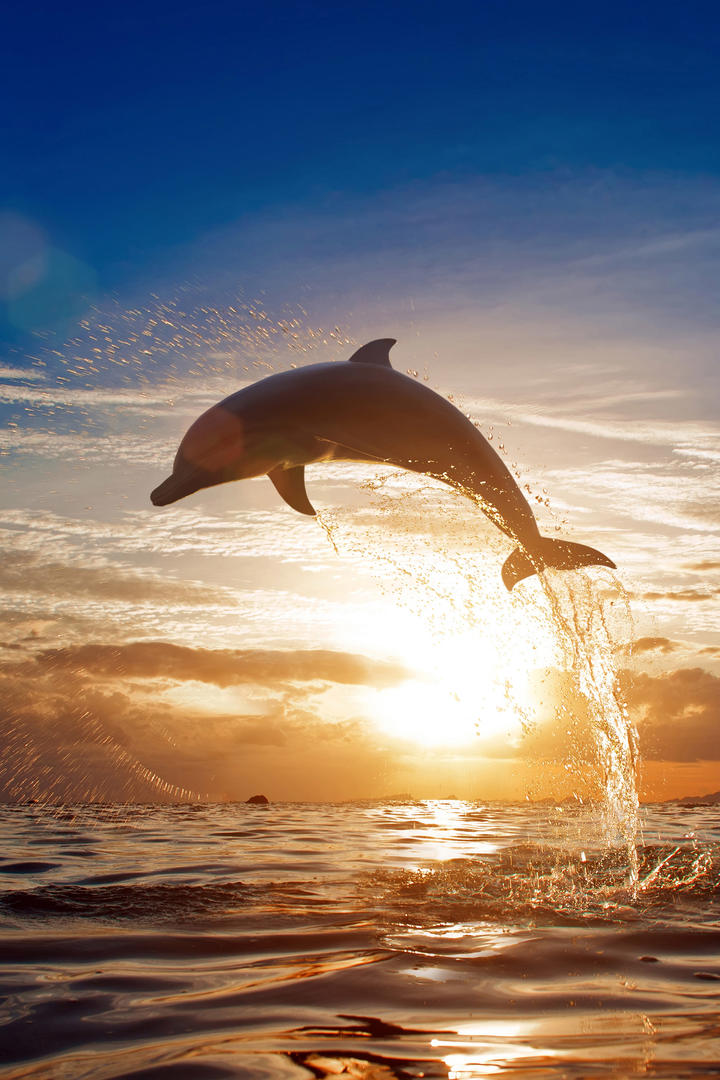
{"x": 713, "y": 799}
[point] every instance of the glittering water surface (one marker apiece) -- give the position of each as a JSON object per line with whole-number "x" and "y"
{"x": 404, "y": 939}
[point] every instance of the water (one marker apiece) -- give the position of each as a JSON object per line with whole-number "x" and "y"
{"x": 399, "y": 939}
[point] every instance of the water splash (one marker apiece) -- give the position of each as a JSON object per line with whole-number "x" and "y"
{"x": 328, "y": 526}
{"x": 586, "y": 625}
{"x": 436, "y": 557}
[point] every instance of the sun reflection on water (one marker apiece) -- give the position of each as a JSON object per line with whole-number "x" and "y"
{"x": 444, "y": 833}
{"x": 488, "y": 1048}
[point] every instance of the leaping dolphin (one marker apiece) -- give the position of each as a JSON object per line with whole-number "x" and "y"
{"x": 362, "y": 410}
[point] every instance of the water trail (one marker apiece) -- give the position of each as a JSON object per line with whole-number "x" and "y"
{"x": 580, "y": 616}
{"x": 434, "y": 556}
{"x": 327, "y": 525}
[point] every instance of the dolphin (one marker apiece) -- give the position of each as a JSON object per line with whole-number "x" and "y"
{"x": 361, "y": 410}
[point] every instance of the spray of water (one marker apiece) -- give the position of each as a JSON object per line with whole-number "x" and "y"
{"x": 61, "y": 742}
{"x": 432, "y": 554}
{"x": 581, "y": 619}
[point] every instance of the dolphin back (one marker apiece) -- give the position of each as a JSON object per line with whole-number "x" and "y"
{"x": 557, "y": 554}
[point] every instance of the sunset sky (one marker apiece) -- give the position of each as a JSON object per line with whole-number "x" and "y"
{"x": 528, "y": 198}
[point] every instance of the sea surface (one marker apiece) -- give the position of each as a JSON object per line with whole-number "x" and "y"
{"x": 398, "y": 939}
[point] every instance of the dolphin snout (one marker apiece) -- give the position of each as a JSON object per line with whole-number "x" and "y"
{"x": 175, "y": 487}
{"x": 164, "y": 494}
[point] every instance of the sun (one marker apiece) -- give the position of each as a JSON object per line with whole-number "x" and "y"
{"x": 470, "y": 648}
{"x": 469, "y": 686}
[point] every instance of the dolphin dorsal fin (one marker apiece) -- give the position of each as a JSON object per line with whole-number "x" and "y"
{"x": 375, "y": 352}
{"x": 290, "y": 485}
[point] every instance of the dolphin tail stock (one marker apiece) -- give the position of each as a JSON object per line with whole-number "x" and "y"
{"x": 557, "y": 554}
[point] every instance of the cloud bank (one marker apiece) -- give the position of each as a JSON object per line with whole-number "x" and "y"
{"x": 85, "y": 724}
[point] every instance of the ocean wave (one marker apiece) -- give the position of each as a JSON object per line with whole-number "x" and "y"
{"x": 135, "y": 902}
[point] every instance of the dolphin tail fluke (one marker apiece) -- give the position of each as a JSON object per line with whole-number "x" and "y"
{"x": 558, "y": 554}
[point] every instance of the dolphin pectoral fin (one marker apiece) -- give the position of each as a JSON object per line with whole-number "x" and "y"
{"x": 375, "y": 352}
{"x": 290, "y": 486}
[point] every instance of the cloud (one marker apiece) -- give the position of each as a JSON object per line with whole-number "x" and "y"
{"x": 222, "y": 667}
{"x": 83, "y": 576}
{"x": 78, "y": 724}
{"x": 24, "y": 374}
{"x": 692, "y": 595}
{"x": 28, "y": 573}
{"x": 660, "y": 492}
{"x": 692, "y": 435}
{"x": 65, "y": 740}
{"x": 668, "y": 244}
{"x": 678, "y": 714}
{"x": 703, "y": 566}
{"x": 249, "y": 533}
{"x": 655, "y": 644}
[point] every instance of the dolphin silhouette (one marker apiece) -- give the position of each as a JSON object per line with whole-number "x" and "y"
{"x": 362, "y": 410}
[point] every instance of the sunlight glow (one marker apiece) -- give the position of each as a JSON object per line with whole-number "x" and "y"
{"x": 473, "y": 681}
{"x": 445, "y": 614}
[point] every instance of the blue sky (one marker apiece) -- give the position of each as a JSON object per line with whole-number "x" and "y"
{"x": 526, "y": 196}
{"x": 135, "y": 128}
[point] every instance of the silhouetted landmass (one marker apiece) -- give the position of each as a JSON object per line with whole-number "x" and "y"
{"x": 258, "y": 800}
{"x": 712, "y": 799}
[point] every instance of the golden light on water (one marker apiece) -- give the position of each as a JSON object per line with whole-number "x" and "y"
{"x": 488, "y": 1048}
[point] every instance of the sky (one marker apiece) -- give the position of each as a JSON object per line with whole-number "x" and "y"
{"x": 193, "y": 197}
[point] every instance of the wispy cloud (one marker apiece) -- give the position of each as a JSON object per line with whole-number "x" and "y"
{"x": 659, "y": 247}
{"x": 24, "y": 374}
{"x": 681, "y": 595}
{"x": 25, "y": 574}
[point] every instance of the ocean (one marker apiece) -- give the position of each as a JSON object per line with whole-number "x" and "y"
{"x": 374, "y": 940}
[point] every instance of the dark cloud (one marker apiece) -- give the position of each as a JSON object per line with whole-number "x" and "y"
{"x": 655, "y": 644}
{"x": 63, "y": 740}
{"x": 74, "y": 727}
{"x": 678, "y": 714}
{"x": 664, "y": 646}
{"x": 221, "y": 667}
